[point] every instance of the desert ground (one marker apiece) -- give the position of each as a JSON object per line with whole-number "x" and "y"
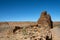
{"x": 6, "y": 30}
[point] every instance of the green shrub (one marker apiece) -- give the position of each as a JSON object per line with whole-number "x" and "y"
{"x": 24, "y": 31}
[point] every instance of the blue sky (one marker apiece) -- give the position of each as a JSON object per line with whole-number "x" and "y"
{"x": 28, "y": 10}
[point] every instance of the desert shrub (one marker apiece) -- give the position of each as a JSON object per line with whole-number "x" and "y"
{"x": 24, "y": 31}
{"x": 4, "y": 27}
{"x": 58, "y": 25}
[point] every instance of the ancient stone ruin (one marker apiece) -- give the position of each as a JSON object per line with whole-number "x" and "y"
{"x": 45, "y": 19}
{"x": 37, "y": 31}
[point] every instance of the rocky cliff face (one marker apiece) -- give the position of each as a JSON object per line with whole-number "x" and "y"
{"x": 45, "y": 19}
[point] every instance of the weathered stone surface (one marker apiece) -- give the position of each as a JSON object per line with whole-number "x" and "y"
{"x": 45, "y": 20}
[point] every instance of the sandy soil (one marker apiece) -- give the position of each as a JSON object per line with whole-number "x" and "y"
{"x": 56, "y": 33}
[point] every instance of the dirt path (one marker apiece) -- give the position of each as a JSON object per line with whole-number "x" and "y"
{"x": 56, "y": 33}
